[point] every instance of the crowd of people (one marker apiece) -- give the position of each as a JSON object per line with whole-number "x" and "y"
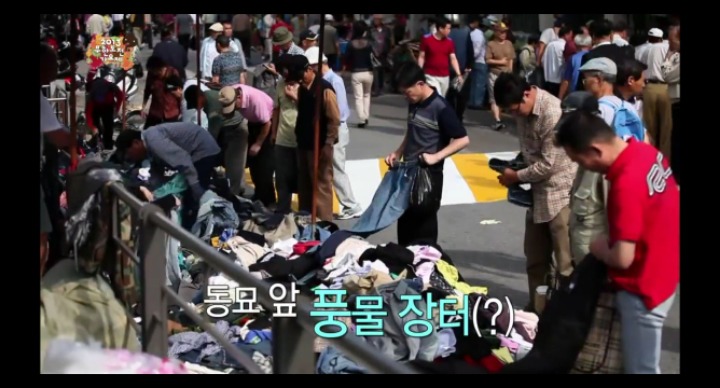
{"x": 595, "y": 123}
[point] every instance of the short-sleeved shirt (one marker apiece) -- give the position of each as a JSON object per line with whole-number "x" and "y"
{"x": 497, "y": 50}
{"x": 644, "y": 208}
{"x": 184, "y": 24}
{"x": 572, "y": 70}
{"x": 256, "y": 106}
{"x": 431, "y": 125}
{"x": 287, "y": 117}
{"x": 437, "y": 55}
{"x": 548, "y": 35}
{"x": 229, "y": 66}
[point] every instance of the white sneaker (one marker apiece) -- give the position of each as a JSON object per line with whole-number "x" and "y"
{"x": 348, "y": 214}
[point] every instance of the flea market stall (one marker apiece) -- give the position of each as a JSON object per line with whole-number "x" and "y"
{"x": 409, "y": 304}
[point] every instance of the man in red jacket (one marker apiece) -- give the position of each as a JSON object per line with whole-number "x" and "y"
{"x": 104, "y": 99}
{"x": 642, "y": 248}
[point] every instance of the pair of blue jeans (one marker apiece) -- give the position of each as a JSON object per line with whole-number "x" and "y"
{"x": 641, "y": 329}
{"x": 391, "y": 200}
{"x": 478, "y": 85}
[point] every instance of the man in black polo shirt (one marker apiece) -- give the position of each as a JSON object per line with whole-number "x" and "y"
{"x": 603, "y": 47}
{"x": 298, "y": 70}
{"x": 433, "y": 134}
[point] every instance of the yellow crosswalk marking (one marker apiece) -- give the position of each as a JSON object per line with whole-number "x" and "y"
{"x": 481, "y": 179}
{"x": 468, "y": 179}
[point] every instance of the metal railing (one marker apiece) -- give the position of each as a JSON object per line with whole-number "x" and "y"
{"x": 60, "y": 100}
{"x": 292, "y": 338}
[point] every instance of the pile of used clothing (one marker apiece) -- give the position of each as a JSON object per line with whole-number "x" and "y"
{"x": 320, "y": 260}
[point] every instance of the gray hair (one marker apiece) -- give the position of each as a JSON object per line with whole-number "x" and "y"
{"x": 583, "y": 40}
{"x": 610, "y": 78}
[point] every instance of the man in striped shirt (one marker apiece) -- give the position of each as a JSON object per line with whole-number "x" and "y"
{"x": 434, "y": 133}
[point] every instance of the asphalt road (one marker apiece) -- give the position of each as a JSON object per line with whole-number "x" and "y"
{"x": 484, "y": 238}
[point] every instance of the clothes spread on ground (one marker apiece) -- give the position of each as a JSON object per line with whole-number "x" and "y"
{"x": 410, "y": 304}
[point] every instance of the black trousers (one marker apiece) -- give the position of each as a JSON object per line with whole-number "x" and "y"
{"x": 184, "y": 40}
{"x": 205, "y": 168}
{"x": 378, "y": 80}
{"x": 53, "y": 188}
{"x": 262, "y": 166}
{"x": 458, "y": 99}
{"x": 676, "y": 151}
{"x": 286, "y": 176}
{"x": 104, "y": 117}
{"x": 332, "y": 61}
{"x": 421, "y": 224}
{"x": 148, "y": 36}
{"x": 245, "y": 38}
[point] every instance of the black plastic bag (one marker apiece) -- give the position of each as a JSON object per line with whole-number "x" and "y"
{"x": 422, "y": 194}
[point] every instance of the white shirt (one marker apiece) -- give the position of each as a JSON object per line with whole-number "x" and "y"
{"x": 553, "y": 61}
{"x": 478, "y": 42}
{"x": 208, "y": 53}
{"x": 656, "y": 54}
{"x": 641, "y": 51}
{"x": 314, "y": 28}
{"x": 269, "y": 21}
{"x": 118, "y": 17}
{"x": 618, "y": 40}
{"x": 194, "y": 17}
{"x": 548, "y": 35}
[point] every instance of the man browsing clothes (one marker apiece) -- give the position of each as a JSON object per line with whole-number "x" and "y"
{"x": 642, "y": 248}
{"x": 300, "y": 71}
{"x": 185, "y": 147}
{"x": 433, "y": 134}
{"x": 551, "y": 173}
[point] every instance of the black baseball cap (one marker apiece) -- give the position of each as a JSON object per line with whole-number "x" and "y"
{"x": 294, "y": 67}
{"x": 308, "y": 35}
{"x": 580, "y": 100}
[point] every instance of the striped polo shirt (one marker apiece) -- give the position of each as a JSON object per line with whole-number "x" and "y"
{"x": 431, "y": 123}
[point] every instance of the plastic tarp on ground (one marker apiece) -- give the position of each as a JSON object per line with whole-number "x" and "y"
{"x": 82, "y": 308}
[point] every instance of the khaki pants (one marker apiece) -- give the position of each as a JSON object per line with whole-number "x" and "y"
{"x": 324, "y": 198}
{"x": 441, "y": 84}
{"x": 362, "y": 82}
{"x": 541, "y": 242}
{"x": 138, "y": 32}
{"x": 657, "y": 114}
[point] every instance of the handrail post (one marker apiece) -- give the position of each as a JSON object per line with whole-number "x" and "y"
{"x": 292, "y": 345}
{"x": 154, "y": 304}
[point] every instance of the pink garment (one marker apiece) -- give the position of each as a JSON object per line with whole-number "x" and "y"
{"x": 425, "y": 259}
{"x": 508, "y": 343}
{"x": 526, "y": 324}
{"x": 256, "y": 106}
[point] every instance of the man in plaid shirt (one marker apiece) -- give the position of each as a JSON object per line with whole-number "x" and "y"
{"x": 551, "y": 173}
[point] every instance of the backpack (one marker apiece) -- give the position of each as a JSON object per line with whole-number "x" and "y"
{"x": 626, "y": 122}
{"x": 517, "y": 66}
{"x": 534, "y": 77}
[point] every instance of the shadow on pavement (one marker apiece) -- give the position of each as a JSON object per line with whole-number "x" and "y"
{"x": 494, "y": 267}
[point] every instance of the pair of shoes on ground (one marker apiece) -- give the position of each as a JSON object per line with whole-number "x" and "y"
{"x": 348, "y": 214}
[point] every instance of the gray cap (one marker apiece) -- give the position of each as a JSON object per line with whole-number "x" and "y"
{"x": 603, "y": 65}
